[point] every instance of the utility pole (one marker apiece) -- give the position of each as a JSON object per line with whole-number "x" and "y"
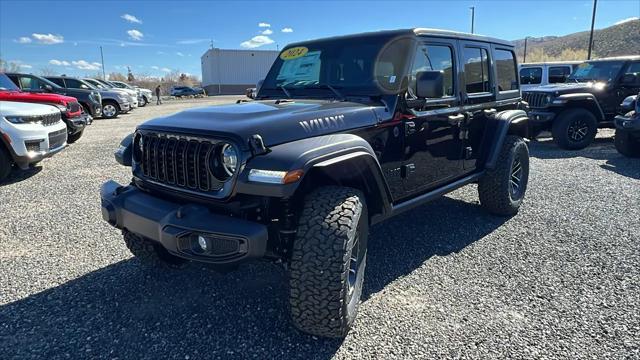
{"x": 525, "y": 49}
{"x": 593, "y": 21}
{"x": 104, "y": 77}
{"x": 473, "y": 16}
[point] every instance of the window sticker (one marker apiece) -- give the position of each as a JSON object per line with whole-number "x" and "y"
{"x": 294, "y": 53}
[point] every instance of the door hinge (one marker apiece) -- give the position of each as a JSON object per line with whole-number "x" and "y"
{"x": 407, "y": 170}
{"x": 409, "y": 128}
{"x": 468, "y": 152}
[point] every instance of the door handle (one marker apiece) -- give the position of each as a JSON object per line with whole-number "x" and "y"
{"x": 456, "y": 119}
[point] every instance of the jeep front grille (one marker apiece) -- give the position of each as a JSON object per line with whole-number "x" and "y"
{"x": 535, "y": 99}
{"x": 177, "y": 162}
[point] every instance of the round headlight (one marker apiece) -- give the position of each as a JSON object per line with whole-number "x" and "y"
{"x": 229, "y": 158}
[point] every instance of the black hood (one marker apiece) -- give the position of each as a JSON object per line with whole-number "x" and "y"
{"x": 571, "y": 88}
{"x": 275, "y": 122}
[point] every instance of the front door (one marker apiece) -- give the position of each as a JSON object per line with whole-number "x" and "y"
{"x": 433, "y": 146}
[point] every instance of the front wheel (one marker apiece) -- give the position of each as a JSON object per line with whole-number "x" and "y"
{"x": 502, "y": 189}
{"x": 626, "y": 144}
{"x": 5, "y": 164}
{"x": 74, "y": 137}
{"x": 574, "y": 129}
{"x": 328, "y": 261}
{"x": 110, "y": 110}
{"x": 143, "y": 102}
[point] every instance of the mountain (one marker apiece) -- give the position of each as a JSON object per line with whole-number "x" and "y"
{"x": 616, "y": 40}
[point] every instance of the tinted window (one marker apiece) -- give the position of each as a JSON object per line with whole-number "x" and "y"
{"x": 6, "y": 83}
{"x": 476, "y": 70}
{"x": 506, "y": 70}
{"x": 433, "y": 57}
{"x": 634, "y": 68}
{"x": 31, "y": 83}
{"x": 558, "y": 74}
{"x": 531, "y": 76}
{"x": 75, "y": 84}
{"x": 57, "y": 81}
{"x": 597, "y": 71}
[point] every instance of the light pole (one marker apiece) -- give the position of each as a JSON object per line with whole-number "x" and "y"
{"x": 473, "y": 16}
{"x": 524, "y": 60}
{"x": 593, "y": 20}
{"x": 104, "y": 77}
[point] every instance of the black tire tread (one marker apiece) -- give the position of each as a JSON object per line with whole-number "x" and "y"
{"x": 493, "y": 187}
{"x": 320, "y": 261}
{"x": 75, "y": 137}
{"x": 626, "y": 144}
{"x": 561, "y": 123}
{"x": 6, "y": 163}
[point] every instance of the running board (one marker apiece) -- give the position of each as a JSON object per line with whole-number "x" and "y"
{"x": 427, "y": 197}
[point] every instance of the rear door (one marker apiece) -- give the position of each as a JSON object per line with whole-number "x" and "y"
{"x": 433, "y": 146}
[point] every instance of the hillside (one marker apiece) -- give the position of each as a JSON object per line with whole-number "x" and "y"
{"x": 622, "y": 39}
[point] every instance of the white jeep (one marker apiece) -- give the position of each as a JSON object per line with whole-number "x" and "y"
{"x": 29, "y": 133}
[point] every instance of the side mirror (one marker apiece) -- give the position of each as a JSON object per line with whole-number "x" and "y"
{"x": 430, "y": 84}
{"x": 629, "y": 79}
{"x": 629, "y": 103}
{"x": 124, "y": 154}
{"x": 48, "y": 88}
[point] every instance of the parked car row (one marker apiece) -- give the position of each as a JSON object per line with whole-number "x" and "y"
{"x": 184, "y": 91}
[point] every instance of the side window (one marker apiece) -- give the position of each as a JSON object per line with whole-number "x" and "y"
{"x": 507, "y": 77}
{"x": 559, "y": 74}
{"x": 57, "y": 81}
{"x": 476, "y": 70}
{"x": 434, "y": 57}
{"x": 634, "y": 69}
{"x": 26, "y": 83}
{"x": 75, "y": 84}
{"x": 531, "y": 76}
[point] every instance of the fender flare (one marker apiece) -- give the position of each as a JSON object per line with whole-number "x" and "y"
{"x": 338, "y": 156}
{"x": 567, "y": 98}
{"x": 514, "y": 120}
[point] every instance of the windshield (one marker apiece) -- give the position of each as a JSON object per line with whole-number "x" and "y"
{"x": 6, "y": 84}
{"x": 96, "y": 84}
{"x": 596, "y": 71}
{"x": 105, "y": 84}
{"x": 352, "y": 66}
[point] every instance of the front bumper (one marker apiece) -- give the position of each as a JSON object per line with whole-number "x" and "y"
{"x": 178, "y": 227}
{"x": 42, "y": 141}
{"x": 125, "y": 106}
{"x": 77, "y": 124}
{"x": 628, "y": 123}
{"x": 541, "y": 117}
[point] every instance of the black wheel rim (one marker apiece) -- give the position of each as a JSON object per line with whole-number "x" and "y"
{"x": 354, "y": 262}
{"x": 578, "y": 130}
{"x": 515, "y": 178}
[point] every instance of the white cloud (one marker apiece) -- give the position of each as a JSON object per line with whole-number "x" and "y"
{"x": 131, "y": 18}
{"x": 160, "y": 52}
{"x": 264, "y": 24}
{"x": 166, "y": 69}
{"x": 192, "y": 41}
{"x": 83, "y": 65}
{"x": 267, "y": 32}
{"x": 48, "y": 39}
{"x": 287, "y": 30}
{"x": 626, "y": 20}
{"x": 25, "y": 66}
{"x": 155, "y": 68}
{"x": 257, "y": 41}
{"x": 179, "y": 53}
{"x": 135, "y": 34}
{"x": 59, "y": 62}
{"x": 23, "y": 40}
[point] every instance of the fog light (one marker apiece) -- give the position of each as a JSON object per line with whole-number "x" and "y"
{"x": 204, "y": 244}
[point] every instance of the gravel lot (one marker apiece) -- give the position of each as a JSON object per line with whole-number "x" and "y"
{"x": 560, "y": 279}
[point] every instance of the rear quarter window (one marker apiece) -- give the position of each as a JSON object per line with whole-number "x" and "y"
{"x": 506, "y": 70}
{"x": 531, "y": 75}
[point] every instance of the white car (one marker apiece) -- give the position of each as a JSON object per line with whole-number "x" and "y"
{"x": 132, "y": 100}
{"x": 29, "y": 133}
{"x": 144, "y": 95}
{"x": 133, "y": 94}
{"x": 538, "y": 74}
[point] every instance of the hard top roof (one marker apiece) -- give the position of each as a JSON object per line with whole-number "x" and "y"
{"x": 614, "y": 58}
{"x": 412, "y": 32}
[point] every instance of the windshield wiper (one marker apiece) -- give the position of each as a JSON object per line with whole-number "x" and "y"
{"x": 333, "y": 89}
{"x": 284, "y": 89}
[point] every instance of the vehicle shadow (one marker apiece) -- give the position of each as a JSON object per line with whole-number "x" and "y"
{"x": 126, "y": 311}
{"x": 18, "y": 175}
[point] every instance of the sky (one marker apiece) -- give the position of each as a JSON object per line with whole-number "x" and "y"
{"x": 156, "y": 37}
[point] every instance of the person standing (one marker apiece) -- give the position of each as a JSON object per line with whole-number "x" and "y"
{"x": 158, "y": 101}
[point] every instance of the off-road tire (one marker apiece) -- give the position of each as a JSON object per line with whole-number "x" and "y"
{"x": 144, "y": 102}
{"x": 626, "y": 144}
{"x": 324, "y": 298}
{"x": 567, "y": 119}
{"x": 151, "y": 254}
{"x": 495, "y": 187}
{"x": 5, "y": 164}
{"x": 110, "y": 103}
{"x": 74, "y": 137}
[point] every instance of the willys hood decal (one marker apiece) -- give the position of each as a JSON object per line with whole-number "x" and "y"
{"x": 276, "y": 122}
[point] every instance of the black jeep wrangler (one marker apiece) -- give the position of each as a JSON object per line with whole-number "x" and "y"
{"x": 344, "y": 133}
{"x": 627, "y": 138}
{"x": 589, "y": 99}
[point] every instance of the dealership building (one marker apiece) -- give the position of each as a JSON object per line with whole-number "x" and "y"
{"x": 233, "y": 71}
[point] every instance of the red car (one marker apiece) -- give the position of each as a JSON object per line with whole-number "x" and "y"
{"x": 69, "y": 106}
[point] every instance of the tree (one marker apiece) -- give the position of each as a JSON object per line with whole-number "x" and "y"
{"x": 47, "y": 71}
{"x": 9, "y": 66}
{"x": 117, "y": 77}
{"x": 130, "y": 76}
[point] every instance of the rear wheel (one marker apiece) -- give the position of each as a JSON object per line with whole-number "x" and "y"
{"x": 328, "y": 261}
{"x": 626, "y": 144}
{"x": 150, "y": 253}
{"x": 110, "y": 109}
{"x": 574, "y": 129}
{"x": 6, "y": 163}
{"x": 144, "y": 101}
{"x": 502, "y": 189}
